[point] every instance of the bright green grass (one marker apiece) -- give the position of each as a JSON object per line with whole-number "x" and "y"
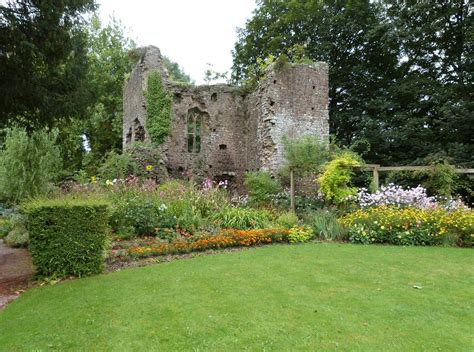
{"x": 301, "y": 297}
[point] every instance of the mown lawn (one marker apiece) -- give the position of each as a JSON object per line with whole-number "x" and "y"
{"x": 301, "y": 297}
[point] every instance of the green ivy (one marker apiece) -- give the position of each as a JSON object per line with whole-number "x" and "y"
{"x": 158, "y": 119}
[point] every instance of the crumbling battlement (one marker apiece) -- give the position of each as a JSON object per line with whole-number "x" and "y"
{"x": 220, "y": 132}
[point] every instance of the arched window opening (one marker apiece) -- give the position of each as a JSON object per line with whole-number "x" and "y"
{"x": 194, "y": 131}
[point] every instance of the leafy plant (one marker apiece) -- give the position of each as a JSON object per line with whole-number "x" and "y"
{"x": 28, "y": 163}
{"x": 300, "y": 234}
{"x": 287, "y": 220}
{"x": 158, "y": 101}
{"x": 242, "y": 218}
{"x": 261, "y": 187}
{"x": 335, "y": 180}
{"x": 18, "y": 235}
{"x": 326, "y": 226}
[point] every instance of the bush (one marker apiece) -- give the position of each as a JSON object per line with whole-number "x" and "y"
{"x": 28, "y": 163}
{"x": 300, "y": 234}
{"x": 133, "y": 213}
{"x": 336, "y": 178}
{"x": 326, "y": 226}
{"x": 18, "y": 235}
{"x": 5, "y": 227}
{"x": 117, "y": 166}
{"x": 67, "y": 237}
{"x": 242, "y": 218}
{"x": 287, "y": 220}
{"x": 410, "y": 226}
{"x": 261, "y": 187}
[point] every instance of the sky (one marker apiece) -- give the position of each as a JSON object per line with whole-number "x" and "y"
{"x": 190, "y": 32}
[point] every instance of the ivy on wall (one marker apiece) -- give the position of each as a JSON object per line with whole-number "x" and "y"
{"x": 158, "y": 114}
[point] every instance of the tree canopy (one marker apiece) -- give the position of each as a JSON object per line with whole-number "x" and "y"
{"x": 42, "y": 60}
{"x": 400, "y": 83}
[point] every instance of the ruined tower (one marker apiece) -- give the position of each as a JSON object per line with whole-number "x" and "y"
{"x": 219, "y": 131}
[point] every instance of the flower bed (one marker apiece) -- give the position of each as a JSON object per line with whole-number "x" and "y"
{"x": 225, "y": 239}
{"x": 410, "y": 226}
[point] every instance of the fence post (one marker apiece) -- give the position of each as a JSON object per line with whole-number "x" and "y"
{"x": 375, "y": 172}
{"x": 292, "y": 191}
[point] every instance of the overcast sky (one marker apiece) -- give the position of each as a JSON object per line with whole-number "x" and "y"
{"x": 190, "y": 32}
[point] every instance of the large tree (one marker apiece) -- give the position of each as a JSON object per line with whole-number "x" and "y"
{"x": 42, "y": 60}
{"x": 399, "y": 71}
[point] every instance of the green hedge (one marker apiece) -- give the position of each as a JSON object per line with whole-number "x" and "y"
{"x": 67, "y": 237}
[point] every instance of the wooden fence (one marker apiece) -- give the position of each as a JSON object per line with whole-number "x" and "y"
{"x": 376, "y": 169}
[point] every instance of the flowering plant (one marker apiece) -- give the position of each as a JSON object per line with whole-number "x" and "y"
{"x": 410, "y": 226}
{"x": 224, "y": 239}
{"x": 396, "y": 196}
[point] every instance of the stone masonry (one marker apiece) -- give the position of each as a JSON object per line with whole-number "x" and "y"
{"x": 220, "y": 132}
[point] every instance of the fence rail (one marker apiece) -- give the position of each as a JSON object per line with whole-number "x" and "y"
{"x": 375, "y": 168}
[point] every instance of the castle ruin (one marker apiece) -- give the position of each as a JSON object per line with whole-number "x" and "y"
{"x": 219, "y": 131}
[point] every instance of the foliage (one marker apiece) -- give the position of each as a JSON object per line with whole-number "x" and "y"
{"x": 176, "y": 73}
{"x": 307, "y": 154}
{"x": 211, "y": 75}
{"x": 335, "y": 180}
{"x": 5, "y": 227}
{"x": 388, "y": 84}
{"x": 67, "y": 237}
{"x": 287, "y": 220}
{"x": 261, "y": 187}
{"x": 109, "y": 66}
{"x": 43, "y": 61}
{"x": 300, "y": 234}
{"x": 158, "y": 108}
{"x": 442, "y": 179}
{"x": 18, "y": 235}
{"x": 28, "y": 163}
{"x": 225, "y": 239}
{"x": 141, "y": 215}
{"x": 117, "y": 166}
{"x": 242, "y": 218}
{"x": 325, "y": 225}
{"x": 410, "y": 226}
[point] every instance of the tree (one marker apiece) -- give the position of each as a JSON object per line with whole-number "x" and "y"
{"x": 400, "y": 72}
{"x": 110, "y": 64}
{"x": 42, "y": 60}
{"x": 175, "y": 71}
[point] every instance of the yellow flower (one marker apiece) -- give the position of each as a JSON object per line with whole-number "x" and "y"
{"x": 149, "y": 168}
{"x": 93, "y": 179}
{"x": 109, "y": 183}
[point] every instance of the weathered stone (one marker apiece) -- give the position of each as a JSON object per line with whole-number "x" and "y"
{"x": 220, "y": 132}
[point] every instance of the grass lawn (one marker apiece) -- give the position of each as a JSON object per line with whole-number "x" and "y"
{"x": 301, "y": 297}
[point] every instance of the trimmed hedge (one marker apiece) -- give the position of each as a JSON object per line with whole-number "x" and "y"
{"x": 67, "y": 237}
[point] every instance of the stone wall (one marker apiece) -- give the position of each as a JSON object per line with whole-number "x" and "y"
{"x": 217, "y": 131}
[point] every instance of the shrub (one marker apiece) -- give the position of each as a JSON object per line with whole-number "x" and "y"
{"x": 242, "y": 218}
{"x": 28, "y": 163}
{"x": 67, "y": 237}
{"x": 18, "y": 235}
{"x": 261, "y": 187}
{"x": 117, "y": 166}
{"x": 300, "y": 234}
{"x": 287, "y": 220}
{"x": 134, "y": 212}
{"x": 307, "y": 154}
{"x": 5, "y": 227}
{"x": 336, "y": 178}
{"x": 326, "y": 226}
{"x": 410, "y": 226}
